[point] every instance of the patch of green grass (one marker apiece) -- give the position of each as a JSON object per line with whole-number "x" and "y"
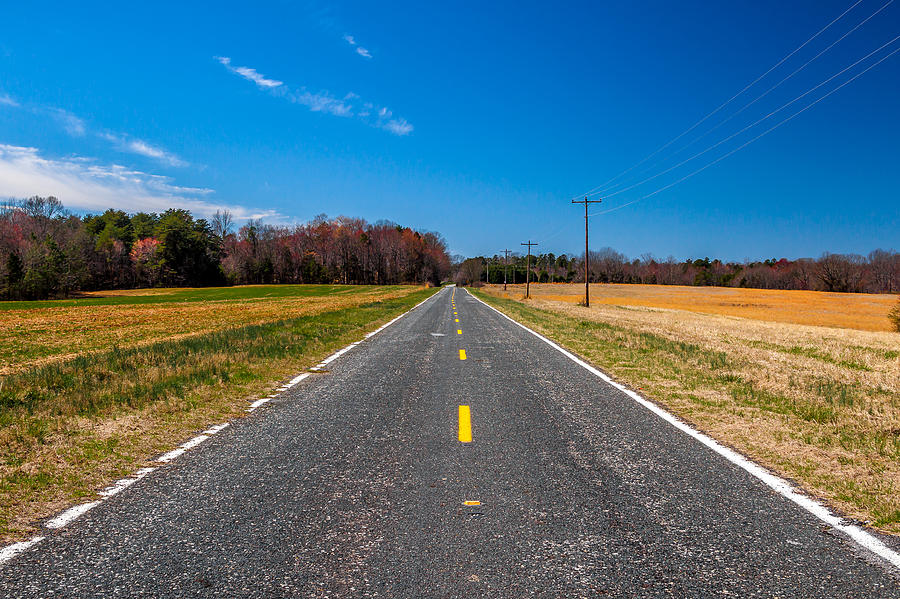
{"x": 887, "y": 354}
{"x": 835, "y": 392}
{"x": 23, "y": 480}
{"x": 810, "y": 352}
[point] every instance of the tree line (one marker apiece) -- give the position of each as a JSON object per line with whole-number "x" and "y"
{"x": 46, "y": 251}
{"x": 878, "y": 272}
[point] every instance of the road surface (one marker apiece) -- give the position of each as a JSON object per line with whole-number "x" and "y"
{"x": 404, "y": 470}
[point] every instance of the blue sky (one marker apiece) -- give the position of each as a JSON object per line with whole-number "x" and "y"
{"x": 478, "y": 120}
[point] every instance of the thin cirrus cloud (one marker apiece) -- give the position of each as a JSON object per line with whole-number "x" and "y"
{"x": 348, "y": 106}
{"x": 73, "y": 125}
{"x": 359, "y": 49}
{"x": 250, "y": 74}
{"x": 77, "y": 127}
{"x": 83, "y": 184}
{"x": 140, "y": 147}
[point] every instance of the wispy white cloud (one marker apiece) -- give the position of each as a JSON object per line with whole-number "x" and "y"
{"x": 72, "y": 124}
{"x": 83, "y": 184}
{"x": 359, "y": 49}
{"x": 77, "y": 127}
{"x": 322, "y": 102}
{"x": 125, "y": 143}
{"x": 397, "y": 126}
{"x": 350, "y": 105}
{"x": 250, "y": 74}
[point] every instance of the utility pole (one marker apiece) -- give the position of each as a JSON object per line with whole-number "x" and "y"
{"x": 587, "y": 288}
{"x": 528, "y": 270}
{"x": 505, "y": 268}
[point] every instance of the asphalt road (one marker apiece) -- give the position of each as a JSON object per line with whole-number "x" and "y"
{"x": 353, "y": 484}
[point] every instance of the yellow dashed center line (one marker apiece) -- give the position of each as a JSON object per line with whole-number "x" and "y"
{"x": 462, "y": 354}
{"x": 471, "y": 503}
{"x": 465, "y": 424}
{"x": 459, "y": 331}
{"x": 456, "y": 319}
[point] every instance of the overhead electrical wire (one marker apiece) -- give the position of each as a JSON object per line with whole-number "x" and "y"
{"x": 745, "y": 106}
{"x": 766, "y": 132}
{"x": 724, "y": 104}
{"x": 747, "y": 143}
{"x": 753, "y": 124}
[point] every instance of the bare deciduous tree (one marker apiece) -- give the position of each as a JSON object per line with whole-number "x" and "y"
{"x": 222, "y": 223}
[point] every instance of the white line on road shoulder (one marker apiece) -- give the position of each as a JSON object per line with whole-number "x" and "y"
{"x": 168, "y": 457}
{"x": 862, "y": 538}
{"x": 11, "y": 551}
{"x": 215, "y": 429}
{"x": 124, "y": 483}
{"x": 70, "y": 514}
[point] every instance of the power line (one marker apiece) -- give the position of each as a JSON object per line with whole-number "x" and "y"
{"x": 607, "y": 192}
{"x": 751, "y": 125}
{"x": 777, "y": 125}
{"x": 744, "y": 145}
{"x": 723, "y": 105}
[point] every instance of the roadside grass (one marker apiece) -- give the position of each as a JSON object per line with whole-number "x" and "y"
{"x": 50, "y": 331}
{"x": 69, "y": 427}
{"x": 818, "y": 405}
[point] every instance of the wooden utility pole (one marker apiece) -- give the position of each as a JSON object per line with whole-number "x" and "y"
{"x": 587, "y": 288}
{"x": 528, "y": 270}
{"x": 505, "y": 268}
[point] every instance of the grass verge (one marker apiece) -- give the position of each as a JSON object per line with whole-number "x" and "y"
{"x": 69, "y": 427}
{"x": 831, "y": 424}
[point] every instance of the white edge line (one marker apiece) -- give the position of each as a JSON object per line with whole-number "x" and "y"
{"x": 862, "y": 538}
{"x": 122, "y": 484}
{"x": 70, "y": 514}
{"x": 168, "y": 457}
{"x": 11, "y": 551}
{"x": 64, "y": 518}
{"x": 215, "y": 429}
{"x": 297, "y": 379}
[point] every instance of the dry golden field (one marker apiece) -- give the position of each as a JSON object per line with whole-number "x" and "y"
{"x": 37, "y": 335}
{"x": 862, "y": 311}
{"x": 819, "y": 404}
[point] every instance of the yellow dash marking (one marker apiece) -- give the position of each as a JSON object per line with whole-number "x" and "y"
{"x": 456, "y": 319}
{"x": 459, "y": 331}
{"x": 471, "y": 503}
{"x": 465, "y": 424}
{"x": 462, "y": 354}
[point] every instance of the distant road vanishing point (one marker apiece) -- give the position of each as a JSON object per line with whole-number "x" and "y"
{"x": 453, "y": 454}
